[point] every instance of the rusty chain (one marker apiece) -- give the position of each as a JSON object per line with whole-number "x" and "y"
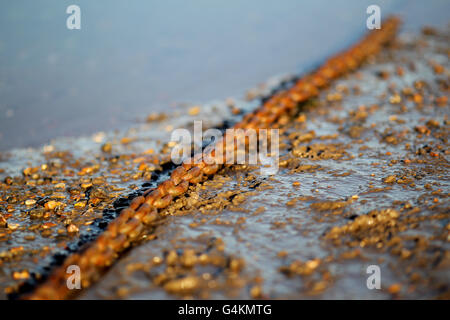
{"x": 144, "y": 210}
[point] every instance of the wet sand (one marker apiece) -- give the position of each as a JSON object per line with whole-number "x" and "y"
{"x": 363, "y": 180}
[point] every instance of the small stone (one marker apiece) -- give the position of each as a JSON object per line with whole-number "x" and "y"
{"x": 395, "y": 99}
{"x": 395, "y": 288}
{"x": 235, "y": 110}
{"x": 172, "y": 258}
{"x": 30, "y": 202}
{"x": 126, "y": 140}
{"x": 80, "y": 204}
{"x": 390, "y": 179}
{"x": 318, "y": 287}
{"x": 418, "y": 99}
{"x": 256, "y": 292}
{"x": 301, "y": 118}
{"x": 236, "y": 265}
{"x": 182, "y": 286}
{"x": 422, "y": 129}
{"x": 13, "y": 226}
{"x": 107, "y": 147}
{"x": 21, "y": 275}
{"x": 29, "y": 237}
{"x": 312, "y": 264}
{"x": 3, "y": 222}
{"x": 122, "y": 292}
{"x": 60, "y": 185}
{"x": 71, "y": 228}
{"x": 153, "y": 117}
{"x": 189, "y": 258}
{"x": 432, "y": 123}
{"x": 48, "y": 225}
{"x": 157, "y": 260}
{"x": 52, "y": 205}
{"x": 194, "y": 111}
{"x": 441, "y": 101}
{"x": 85, "y": 186}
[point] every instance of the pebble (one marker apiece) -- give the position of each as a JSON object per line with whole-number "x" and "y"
{"x": 60, "y": 185}
{"x": 13, "y": 226}
{"x": 107, "y": 147}
{"x": 3, "y": 222}
{"x": 182, "y": 286}
{"x": 21, "y": 275}
{"x": 256, "y": 292}
{"x": 189, "y": 258}
{"x": 395, "y": 288}
{"x": 52, "y": 205}
{"x": 71, "y": 228}
{"x": 30, "y": 202}
{"x": 390, "y": 179}
{"x": 194, "y": 111}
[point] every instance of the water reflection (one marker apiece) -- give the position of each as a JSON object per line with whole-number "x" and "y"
{"x": 136, "y": 57}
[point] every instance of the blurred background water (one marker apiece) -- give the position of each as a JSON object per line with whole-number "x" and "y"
{"x": 131, "y": 58}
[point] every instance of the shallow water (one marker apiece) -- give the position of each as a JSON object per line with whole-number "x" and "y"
{"x": 342, "y": 182}
{"x": 300, "y": 229}
{"x": 130, "y": 59}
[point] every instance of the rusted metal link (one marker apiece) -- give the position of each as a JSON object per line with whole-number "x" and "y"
{"x": 145, "y": 210}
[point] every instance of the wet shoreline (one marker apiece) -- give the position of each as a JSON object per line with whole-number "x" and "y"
{"x": 345, "y": 124}
{"x": 142, "y": 57}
